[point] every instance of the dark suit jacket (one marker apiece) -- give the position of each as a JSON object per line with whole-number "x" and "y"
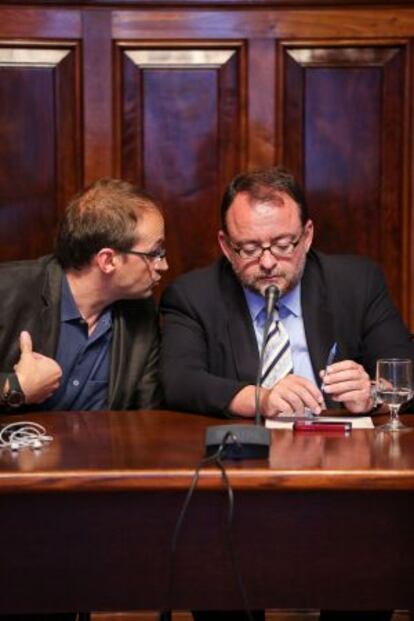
{"x": 209, "y": 349}
{"x": 30, "y": 300}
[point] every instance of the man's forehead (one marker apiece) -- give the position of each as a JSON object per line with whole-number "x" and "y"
{"x": 272, "y": 198}
{"x": 149, "y": 214}
{"x": 279, "y": 205}
{"x": 266, "y": 197}
{"x": 150, "y": 222}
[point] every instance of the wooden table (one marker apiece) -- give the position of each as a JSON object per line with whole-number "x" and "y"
{"x": 86, "y": 523}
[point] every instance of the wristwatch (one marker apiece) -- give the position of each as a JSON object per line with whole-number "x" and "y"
{"x": 374, "y": 396}
{"x": 13, "y": 396}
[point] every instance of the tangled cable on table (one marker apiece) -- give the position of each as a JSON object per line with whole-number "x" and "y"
{"x": 24, "y": 434}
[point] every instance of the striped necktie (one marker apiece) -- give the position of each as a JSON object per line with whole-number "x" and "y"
{"x": 277, "y": 361}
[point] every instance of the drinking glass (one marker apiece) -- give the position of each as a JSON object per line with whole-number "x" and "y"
{"x": 394, "y": 385}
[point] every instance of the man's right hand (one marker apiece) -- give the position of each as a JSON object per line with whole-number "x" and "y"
{"x": 291, "y": 395}
{"x": 39, "y": 376}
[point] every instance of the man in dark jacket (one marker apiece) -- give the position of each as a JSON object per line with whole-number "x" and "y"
{"x": 79, "y": 330}
{"x": 331, "y": 308}
{"x": 213, "y": 317}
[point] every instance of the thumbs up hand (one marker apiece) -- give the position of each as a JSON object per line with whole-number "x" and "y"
{"x": 38, "y": 375}
{"x": 26, "y": 345}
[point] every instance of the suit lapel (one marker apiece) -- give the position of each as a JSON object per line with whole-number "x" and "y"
{"x": 317, "y": 316}
{"x": 50, "y": 311}
{"x": 119, "y": 374}
{"x": 239, "y": 325}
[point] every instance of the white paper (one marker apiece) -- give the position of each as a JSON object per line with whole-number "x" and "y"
{"x": 358, "y": 422}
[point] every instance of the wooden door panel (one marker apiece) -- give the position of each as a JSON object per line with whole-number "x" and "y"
{"x": 182, "y": 98}
{"x": 182, "y": 138}
{"x": 343, "y": 135}
{"x": 38, "y": 150}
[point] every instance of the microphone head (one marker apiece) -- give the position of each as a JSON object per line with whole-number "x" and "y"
{"x": 273, "y": 291}
{"x": 272, "y": 294}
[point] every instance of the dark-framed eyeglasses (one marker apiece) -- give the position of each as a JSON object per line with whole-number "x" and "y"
{"x": 280, "y": 249}
{"x": 151, "y": 255}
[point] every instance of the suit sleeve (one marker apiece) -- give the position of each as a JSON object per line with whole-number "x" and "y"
{"x": 3, "y": 377}
{"x": 149, "y": 389}
{"x": 190, "y": 358}
{"x": 134, "y": 378}
{"x": 384, "y": 334}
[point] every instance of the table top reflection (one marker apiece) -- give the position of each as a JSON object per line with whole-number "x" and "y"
{"x": 147, "y": 450}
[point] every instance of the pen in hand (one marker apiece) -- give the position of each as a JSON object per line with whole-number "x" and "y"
{"x": 329, "y": 361}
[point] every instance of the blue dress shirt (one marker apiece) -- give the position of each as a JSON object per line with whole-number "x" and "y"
{"x": 290, "y": 313}
{"x": 84, "y": 358}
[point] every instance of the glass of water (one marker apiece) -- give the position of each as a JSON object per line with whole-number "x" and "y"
{"x": 394, "y": 385}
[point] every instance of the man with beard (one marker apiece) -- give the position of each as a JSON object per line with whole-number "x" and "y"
{"x": 214, "y": 317}
{"x": 214, "y": 320}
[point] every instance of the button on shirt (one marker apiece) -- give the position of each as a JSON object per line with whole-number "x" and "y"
{"x": 290, "y": 313}
{"x": 84, "y": 359}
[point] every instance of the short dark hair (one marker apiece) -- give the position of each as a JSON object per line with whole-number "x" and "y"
{"x": 105, "y": 214}
{"x": 264, "y": 184}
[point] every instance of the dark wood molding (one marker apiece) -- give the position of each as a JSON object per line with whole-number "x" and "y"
{"x": 272, "y": 4}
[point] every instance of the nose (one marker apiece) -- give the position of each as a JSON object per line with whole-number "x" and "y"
{"x": 162, "y": 265}
{"x": 267, "y": 260}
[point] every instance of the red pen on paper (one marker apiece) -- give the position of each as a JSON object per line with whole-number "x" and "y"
{"x": 317, "y": 425}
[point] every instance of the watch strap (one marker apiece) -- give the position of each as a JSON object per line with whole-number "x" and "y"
{"x": 374, "y": 396}
{"x": 14, "y": 395}
{"x": 14, "y": 383}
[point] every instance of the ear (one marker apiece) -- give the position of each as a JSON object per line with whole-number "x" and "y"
{"x": 222, "y": 240}
{"x": 309, "y": 234}
{"x": 106, "y": 259}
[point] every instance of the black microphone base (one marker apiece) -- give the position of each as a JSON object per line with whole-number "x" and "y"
{"x": 245, "y": 441}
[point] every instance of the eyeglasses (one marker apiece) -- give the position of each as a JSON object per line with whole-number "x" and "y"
{"x": 152, "y": 255}
{"x": 276, "y": 249}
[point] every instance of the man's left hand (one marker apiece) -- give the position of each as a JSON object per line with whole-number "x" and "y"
{"x": 348, "y": 382}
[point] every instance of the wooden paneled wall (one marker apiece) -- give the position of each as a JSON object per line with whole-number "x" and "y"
{"x": 180, "y": 96}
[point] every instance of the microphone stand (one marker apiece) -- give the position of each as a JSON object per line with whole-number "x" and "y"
{"x": 246, "y": 441}
{"x": 272, "y": 296}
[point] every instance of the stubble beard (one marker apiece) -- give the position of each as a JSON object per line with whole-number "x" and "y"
{"x": 282, "y": 279}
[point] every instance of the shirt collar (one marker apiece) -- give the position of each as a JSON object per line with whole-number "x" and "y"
{"x": 288, "y": 303}
{"x": 69, "y": 310}
{"x": 291, "y": 301}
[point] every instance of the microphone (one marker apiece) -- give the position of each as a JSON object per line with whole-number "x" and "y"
{"x": 246, "y": 441}
{"x": 272, "y": 294}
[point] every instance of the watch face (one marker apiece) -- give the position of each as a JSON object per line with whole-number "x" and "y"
{"x": 15, "y": 398}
